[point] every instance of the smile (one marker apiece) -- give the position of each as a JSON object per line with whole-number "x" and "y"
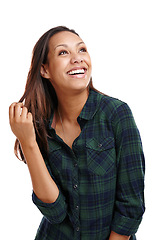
{"x": 77, "y": 71}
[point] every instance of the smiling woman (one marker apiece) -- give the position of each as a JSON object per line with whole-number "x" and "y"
{"x": 82, "y": 148}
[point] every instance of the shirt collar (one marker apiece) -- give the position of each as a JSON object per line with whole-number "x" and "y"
{"x": 91, "y": 105}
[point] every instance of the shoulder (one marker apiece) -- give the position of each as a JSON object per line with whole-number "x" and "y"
{"x": 113, "y": 108}
{"x": 111, "y": 102}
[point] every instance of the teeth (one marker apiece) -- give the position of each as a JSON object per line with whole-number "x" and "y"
{"x": 76, "y": 71}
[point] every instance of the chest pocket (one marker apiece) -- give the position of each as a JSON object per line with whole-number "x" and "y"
{"x": 101, "y": 155}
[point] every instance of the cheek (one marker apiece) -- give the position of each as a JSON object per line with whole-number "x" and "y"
{"x": 90, "y": 65}
{"x": 56, "y": 69}
{"x": 88, "y": 61}
{"x": 60, "y": 66}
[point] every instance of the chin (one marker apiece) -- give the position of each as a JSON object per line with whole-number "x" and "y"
{"x": 81, "y": 85}
{"x": 78, "y": 89}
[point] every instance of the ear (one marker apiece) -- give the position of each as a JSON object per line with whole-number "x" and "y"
{"x": 44, "y": 72}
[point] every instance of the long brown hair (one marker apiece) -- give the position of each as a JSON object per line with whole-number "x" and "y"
{"x": 39, "y": 95}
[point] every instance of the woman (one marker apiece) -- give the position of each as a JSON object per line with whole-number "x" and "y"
{"x": 82, "y": 148}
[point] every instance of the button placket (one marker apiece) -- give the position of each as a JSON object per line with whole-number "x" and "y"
{"x": 75, "y": 192}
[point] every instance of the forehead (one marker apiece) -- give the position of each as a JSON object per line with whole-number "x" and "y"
{"x": 64, "y": 37}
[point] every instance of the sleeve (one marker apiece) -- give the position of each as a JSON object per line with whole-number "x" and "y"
{"x": 129, "y": 202}
{"x": 54, "y": 212}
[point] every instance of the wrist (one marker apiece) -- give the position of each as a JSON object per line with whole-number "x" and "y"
{"x": 29, "y": 149}
{"x": 116, "y": 236}
{"x": 28, "y": 145}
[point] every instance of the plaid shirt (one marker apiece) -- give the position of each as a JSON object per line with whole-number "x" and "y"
{"x": 101, "y": 179}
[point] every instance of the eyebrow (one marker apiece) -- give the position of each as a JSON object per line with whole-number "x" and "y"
{"x": 65, "y": 45}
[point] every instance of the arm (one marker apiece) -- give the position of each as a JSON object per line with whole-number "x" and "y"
{"x": 46, "y": 195}
{"x": 129, "y": 201}
{"x": 116, "y": 236}
{"x": 22, "y": 126}
{"x": 43, "y": 185}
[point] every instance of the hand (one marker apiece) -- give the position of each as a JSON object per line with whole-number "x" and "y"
{"x": 21, "y": 123}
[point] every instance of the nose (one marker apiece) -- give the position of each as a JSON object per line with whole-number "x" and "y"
{"x": 76, "y": 59}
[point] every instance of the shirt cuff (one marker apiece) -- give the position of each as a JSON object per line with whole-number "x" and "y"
{"x": 55, "y": 212}
{"x": 125, "y": 225}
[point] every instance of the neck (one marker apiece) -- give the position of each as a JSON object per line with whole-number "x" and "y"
{"x": 70, "y": 106}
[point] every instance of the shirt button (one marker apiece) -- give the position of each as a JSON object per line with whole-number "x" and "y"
{"x": 75, "y": 186}
{"x": 77, "y": 229}
{"x": 100, "y": 145}
{"x": 77, "y": 207}
{"x": 75, "y": 165}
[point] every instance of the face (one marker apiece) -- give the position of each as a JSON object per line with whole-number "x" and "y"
{"x": 69, "y": 63}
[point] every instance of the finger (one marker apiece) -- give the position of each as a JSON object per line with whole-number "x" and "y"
{"x": 30, "y": 117}
{"x": 11, "y": 111}
{"x": 17, "y": 110}
{"x": 24, "y": 113}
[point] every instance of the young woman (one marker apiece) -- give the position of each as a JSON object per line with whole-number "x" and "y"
{"x": 82, "y": 148}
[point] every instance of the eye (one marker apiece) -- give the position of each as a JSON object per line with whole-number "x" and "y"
{"x": 62, "y": 52}
{"x": 83, "y": 50}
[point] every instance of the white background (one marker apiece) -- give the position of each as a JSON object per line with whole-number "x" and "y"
{"x": 123, "y": 38}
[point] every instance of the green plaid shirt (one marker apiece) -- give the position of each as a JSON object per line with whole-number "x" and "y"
{"x": 101, "y": 179}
